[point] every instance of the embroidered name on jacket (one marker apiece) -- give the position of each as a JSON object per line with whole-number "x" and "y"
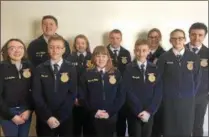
{"x": 135, "y": 77}
{"x": 10, "y": 77}
{"x": 169, "y": 62}
{"x": 44, "y": 76}
{"x": 93, "y": 80}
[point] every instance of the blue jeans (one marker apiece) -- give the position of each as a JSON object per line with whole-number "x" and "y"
{"x": 11, "y": 129}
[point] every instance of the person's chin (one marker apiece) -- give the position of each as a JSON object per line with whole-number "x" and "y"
{"x": 55, "y": 58}
{"x": 49, "y": 33}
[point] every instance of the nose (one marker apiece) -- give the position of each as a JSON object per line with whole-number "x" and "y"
{"x": 17, "y": 49}
{"x": 196, "y": 37}
{"x": 54, "y": 50}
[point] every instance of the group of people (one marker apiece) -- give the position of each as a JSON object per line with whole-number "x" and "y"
{"x": 103, "y": 93}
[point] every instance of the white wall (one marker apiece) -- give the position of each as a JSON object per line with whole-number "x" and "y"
{"x": 22, "y": 18}
{"x": 94, "y": 19}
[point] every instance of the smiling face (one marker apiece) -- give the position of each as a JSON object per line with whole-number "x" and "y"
{"x": 56, "y": 49}
{"x": 15, "y": 50}
{"x": 197, "y": 36}
{"x": 101, "y": 60}
{"x": 81, "y": 45}
{"x": 49, "y": 27}
{"x": 141, "y": 52}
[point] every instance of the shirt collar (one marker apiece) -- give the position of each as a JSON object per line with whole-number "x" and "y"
{"x": 153, "y": 51}
{"x": 179, "y": 53}
{"x": 140, "y": 63}
{"x": 45, "y": 38}
{"x": 112, "y": 49}
{"x": 18, "y": 66}
{"x": 59, "y": 63}
{"x": 84, "y": 53}
{"x": 192, "y": 46}
{"x": 99, "y": 69}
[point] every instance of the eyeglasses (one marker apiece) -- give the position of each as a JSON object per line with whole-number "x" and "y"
{"x": 179, "y": 38}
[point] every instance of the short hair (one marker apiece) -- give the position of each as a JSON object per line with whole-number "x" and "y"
{"x": 177, "y": 30}
{"x": 81, "y": 36}
{"x": 198, "y": 25}
{"x": 116, "y": 31}
{"x": 155, "y": 30}
{"x": 4, "y": 50}
{"x": 140, "y": 42}
{"x": 56, "y": 37}
{"x": 50, "y": 17}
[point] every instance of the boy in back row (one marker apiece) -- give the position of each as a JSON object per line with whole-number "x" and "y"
{"x": 197, "y": 33}
{"x": 181, "y": 73}
{"x": 120, "y": 58}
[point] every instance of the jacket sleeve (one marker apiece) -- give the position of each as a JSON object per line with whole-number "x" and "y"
{"x": 65, "y": 107}
{"x": 30, "y": 102}
{"x": 197, "y": 74}
{"x": 84, "y": 93}
{"x": 133, "y": 102}
{"x": 4, "y": 109}
{"x": 41, "y": 107}
{"x": 157, "y": 96}
{"x": 119, "y": 100}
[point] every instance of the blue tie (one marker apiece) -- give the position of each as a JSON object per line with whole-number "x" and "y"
{"x": 115, "y": 56}
{"x": 179, "y": 57}
{"x": 143, "y": 70}
{"x": 55, "y": 76}
{"x": 56, "y": 69}
{"x": 101, "y": 73}
{"x": 194, "y": 50}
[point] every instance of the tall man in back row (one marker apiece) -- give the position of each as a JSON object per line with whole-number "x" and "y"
{"x": 37, "y": 49}
{"x": 197, "y": 33}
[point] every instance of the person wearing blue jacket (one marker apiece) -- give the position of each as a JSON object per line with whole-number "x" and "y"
{"x": 154, "y": 38}
{"x": 120, "y": 58}
{"x": 38, "y": 49}
{"x": 181, "y": 75}
{"x": 81, "y": 59}
{"x": 144, "y": 90}
{"x": 16, "y": 74}
{"x": 54, "y": 91}
{"x": 101, "y": 93}
{"x": 197, "y": 33}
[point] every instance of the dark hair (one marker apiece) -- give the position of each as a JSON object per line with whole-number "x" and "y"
{"x": 56, "y": 37}
{"x": 116, "y": 31}
{"x": 155, "y": 30}
{"x": 141, "y": 42}
{"x": 178, "y": 30}
{"x": 4, "y": 50}
{"x": 82, "y": 37}
{"x": 50, "y": 17}
{"x": 199, "y": 25}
